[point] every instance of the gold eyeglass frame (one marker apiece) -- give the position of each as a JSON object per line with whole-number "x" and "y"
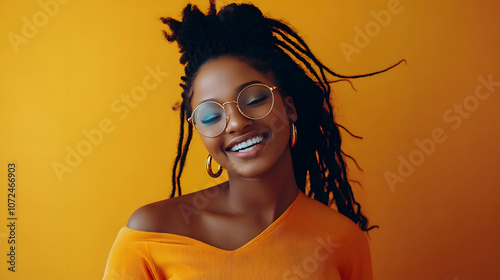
{"x": 271, "y": 89}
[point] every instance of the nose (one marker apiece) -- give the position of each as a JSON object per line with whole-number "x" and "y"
{"x": 236, "y": 122}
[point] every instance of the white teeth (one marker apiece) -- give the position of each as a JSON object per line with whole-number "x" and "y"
{"x": 245, "y": 145}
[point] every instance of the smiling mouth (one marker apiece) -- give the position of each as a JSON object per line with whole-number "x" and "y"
{"x": 247, "y": 145}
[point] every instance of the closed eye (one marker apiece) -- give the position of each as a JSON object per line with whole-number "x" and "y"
{"x": 210, "y": 119}
{"x": 256, "y": 100}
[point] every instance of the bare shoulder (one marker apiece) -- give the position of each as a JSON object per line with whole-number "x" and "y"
{"x": 160, "y": 216}
{"x": 337, "y": 222}
{"x": 178, "y": 215}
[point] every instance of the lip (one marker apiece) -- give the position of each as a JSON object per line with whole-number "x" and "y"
{"x": 245, "y": 137}
{"x": 253, "y": 152}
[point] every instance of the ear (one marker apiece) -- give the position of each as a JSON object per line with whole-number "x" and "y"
{"x": 290, "y": 109}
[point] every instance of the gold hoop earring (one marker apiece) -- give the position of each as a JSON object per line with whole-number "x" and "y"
{"x": 209, "y": 168}
{"x": 294, "y": 135}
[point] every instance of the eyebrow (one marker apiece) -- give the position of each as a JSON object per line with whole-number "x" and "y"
{"x": 238, "y": 89}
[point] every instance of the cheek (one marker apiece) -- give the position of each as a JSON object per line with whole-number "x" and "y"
{"x": 278, "y": 120}
{"x": 210, "y": 144}
{"x": 213, "y": 147}
{"x": 283, "y": 134}
{"x": 279, "y": 127}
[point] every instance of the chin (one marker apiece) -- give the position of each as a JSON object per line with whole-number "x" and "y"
{"x": 249, "y": 171}
{"x": 257, "y": 167}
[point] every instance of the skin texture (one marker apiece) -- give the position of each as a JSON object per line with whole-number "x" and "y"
{"x": 259, "y": 189}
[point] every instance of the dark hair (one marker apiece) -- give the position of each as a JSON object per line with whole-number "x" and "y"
{"x": 240, "y": 30}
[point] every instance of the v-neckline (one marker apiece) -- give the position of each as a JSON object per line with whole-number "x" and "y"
{"x": 261, "y": 235}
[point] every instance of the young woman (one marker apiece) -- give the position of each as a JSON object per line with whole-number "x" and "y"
{"x": 260, "y": 101}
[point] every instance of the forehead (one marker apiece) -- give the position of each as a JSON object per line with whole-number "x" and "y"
{"x": 219, "y": 79}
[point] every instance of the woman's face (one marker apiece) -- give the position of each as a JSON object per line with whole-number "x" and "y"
{"x": 221, "y": 80}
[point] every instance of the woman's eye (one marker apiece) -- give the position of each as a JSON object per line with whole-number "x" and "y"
{"x": 210, "y": 119}
{"x": 255, "y": 100}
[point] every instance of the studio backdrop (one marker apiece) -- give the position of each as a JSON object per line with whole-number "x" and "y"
{"x": 88, "y": 133}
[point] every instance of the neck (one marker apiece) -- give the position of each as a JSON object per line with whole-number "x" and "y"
{"x": 265, "y": 196}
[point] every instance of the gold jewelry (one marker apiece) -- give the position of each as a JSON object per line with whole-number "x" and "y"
{"x": 294, "y": 135}
{"x": 209, "y": 168}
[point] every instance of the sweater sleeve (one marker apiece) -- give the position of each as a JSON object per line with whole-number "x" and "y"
{"x": 358, "y": 264}
{"x": 129, "y": 259}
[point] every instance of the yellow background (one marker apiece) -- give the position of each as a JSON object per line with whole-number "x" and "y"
{"x": 440, "y": 223}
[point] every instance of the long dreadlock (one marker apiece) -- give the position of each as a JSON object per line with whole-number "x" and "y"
{"x": 267, "y": 44}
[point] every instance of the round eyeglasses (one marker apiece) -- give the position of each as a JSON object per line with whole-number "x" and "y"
{"x": 254, "y": 102}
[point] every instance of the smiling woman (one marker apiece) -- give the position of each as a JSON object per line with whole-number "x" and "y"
{"x": 260, "y": 101}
